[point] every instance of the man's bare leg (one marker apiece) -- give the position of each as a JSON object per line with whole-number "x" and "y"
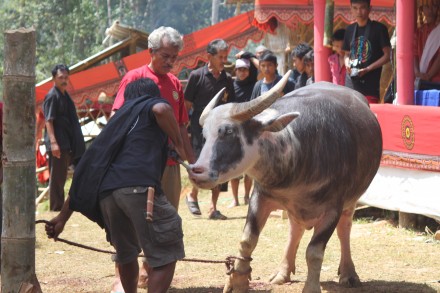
{"x": 234, "y": 186}
{"x": 160, "y": 278}
{"x": 215, "y": 193}
{"x": 215, "y": 214}
{"x": 117, "y": 285}
{"x": 142, "y": 281}
{"x": 193, "y": 195}
{"x": 129, "y": 274}
{"x": 247, "y": 188}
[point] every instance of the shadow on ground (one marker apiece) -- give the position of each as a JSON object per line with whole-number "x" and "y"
{"x": 330, "y": 287}
{"x": 209, "y": 290}
{"x": 379, "y": 287}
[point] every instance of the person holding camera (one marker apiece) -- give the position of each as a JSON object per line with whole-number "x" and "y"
{"x": 367, "y": 48}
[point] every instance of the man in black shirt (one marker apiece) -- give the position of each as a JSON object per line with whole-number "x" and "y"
{"x": 63, "y": 137}
{"x": 111, "y": 181}
{"x": 203, "y": 84}
{"x": 367, "y": 48}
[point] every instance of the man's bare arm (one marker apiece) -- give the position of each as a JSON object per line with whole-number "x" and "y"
{"x": 55, "y": 148}
{"x": 167, "y": 122}
{"x": 381, "y": 61}
{"x": 187, "y": 144}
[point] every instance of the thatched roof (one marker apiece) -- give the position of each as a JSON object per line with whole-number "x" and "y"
{"x": 121, "y": 32}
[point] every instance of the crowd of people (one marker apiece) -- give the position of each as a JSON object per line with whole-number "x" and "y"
{"x": 150, "y": 116}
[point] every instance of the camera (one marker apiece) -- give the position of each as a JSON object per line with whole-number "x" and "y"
{"x": 355, "y": 66}
{"x": 354, "y": 72}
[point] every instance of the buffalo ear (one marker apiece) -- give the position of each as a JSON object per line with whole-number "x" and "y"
{"x": 280, "y": 122}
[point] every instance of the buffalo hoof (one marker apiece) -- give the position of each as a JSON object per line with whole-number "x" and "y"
{"x": 237, "y": 283}
{"x": 279, "y": 278}
{"x": 350, "y": 281}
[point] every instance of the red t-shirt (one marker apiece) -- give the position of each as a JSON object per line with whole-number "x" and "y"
{"x": 170, "y": 89}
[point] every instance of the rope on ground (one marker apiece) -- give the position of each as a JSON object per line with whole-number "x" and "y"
{"x": 229, "y": 262}
{"x": 74, "y": 243}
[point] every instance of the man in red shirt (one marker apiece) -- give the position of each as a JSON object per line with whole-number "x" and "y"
{"x": 164, "y": 45}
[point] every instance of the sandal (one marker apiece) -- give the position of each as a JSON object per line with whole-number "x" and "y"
{"x": 193, "y": 207}
{"x": 216, "y": 215}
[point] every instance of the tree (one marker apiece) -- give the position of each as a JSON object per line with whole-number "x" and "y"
{"x": 71, "y": 30}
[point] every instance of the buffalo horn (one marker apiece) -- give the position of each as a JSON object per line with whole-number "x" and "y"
{"x": 211, "y": 106}
{"x": 247, "y": 110}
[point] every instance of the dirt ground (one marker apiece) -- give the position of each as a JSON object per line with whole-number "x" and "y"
{"x": 387, "y": 259}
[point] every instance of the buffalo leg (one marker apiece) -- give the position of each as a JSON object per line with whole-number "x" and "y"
{"x": 287, "y": 265}
{"x": 259, "y": 211}
{"x": 347, "y": 273}
{"x": 315, "y": 250}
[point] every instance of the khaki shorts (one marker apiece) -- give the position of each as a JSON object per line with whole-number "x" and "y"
{"x": 124, "y": 217}
{"x": 171, "y": 184}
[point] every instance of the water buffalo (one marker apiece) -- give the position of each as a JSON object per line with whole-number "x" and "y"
{"x": 312, "y": 152}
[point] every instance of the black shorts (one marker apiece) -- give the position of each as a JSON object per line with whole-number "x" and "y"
{"x": 124, "y": 217}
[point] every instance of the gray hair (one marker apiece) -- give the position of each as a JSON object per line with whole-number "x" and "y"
{"x": 155, "y": 39}
{"x": 216, "y": 45}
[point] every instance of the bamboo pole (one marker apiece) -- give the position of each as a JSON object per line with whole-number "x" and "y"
{"x": 328, "y": 22}
{"x": 18, "y": 233}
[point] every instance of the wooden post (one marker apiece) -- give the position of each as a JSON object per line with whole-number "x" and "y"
{"x": 322, "y": 69}
{"x": 328, "y": 23}
{"x": 407, "y": 221}
{"x": 18, "y": 233}
{"x": 404, "y": 52}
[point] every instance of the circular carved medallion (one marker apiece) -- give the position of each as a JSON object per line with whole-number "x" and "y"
{"x": 408, "y": 134}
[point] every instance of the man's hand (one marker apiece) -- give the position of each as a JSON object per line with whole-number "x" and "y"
{"x": 55, "y": 149}
{"x": 55, "y": 227}
{"x": 363, "y": 71}
{"x": 167, "y": 122}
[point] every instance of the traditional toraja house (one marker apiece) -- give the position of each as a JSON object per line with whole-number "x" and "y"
{"x": 410, "y": 166}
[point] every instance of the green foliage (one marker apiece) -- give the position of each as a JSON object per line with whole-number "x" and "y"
{"x": 67, "y": 31}
{"x": 71, "y": 30}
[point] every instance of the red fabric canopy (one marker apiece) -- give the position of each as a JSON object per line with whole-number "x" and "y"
{"x": 290, "y": 12}
{"x": 410, "y": 136}
{"x": 86, "y": 86}
{"x": 236, "y": 31}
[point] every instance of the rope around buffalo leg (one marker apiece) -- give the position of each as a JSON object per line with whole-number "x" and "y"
{"x": 229, "y": 262}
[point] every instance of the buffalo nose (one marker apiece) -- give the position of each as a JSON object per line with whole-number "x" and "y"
{"x": 197, "y": 169}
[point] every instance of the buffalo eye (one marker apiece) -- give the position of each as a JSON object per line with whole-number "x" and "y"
{"x": 226, "y": 131}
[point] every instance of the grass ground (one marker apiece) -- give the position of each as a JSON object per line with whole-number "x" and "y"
{"x": 387, "y": 259}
